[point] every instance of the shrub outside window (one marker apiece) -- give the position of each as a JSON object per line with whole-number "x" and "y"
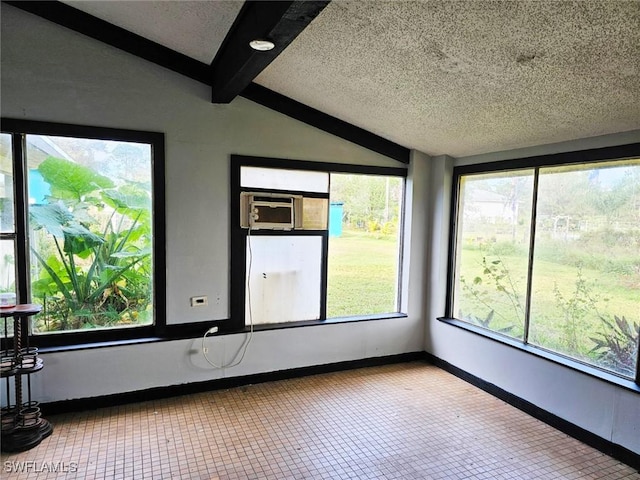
{"x": 91, "y": 228}
{"x": 550, "y": 256}
{"x": 90, "y": 232}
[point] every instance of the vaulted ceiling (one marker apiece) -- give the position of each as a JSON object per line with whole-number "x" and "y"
{"x": 443, "y": 76}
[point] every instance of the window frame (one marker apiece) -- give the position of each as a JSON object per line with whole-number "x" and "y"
{"x": 19, "y": 129}
{"x": 583, "y": 157}
{"x": 236, "y": 322}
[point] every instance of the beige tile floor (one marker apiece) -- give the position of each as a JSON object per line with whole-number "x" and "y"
{"x": 404, "y": 421}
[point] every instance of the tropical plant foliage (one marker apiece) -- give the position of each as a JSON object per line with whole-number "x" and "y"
{"x": 93, "y": 249}
{"x": 617, "y": 346}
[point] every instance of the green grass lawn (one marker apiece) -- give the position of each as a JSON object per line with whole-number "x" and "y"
{"x": 363, "y": 280}
{"x": 564, "y": 322}
{"x": 363, "y": 272}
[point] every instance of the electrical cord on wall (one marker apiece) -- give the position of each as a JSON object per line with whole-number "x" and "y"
{"x": 250, "y": 336}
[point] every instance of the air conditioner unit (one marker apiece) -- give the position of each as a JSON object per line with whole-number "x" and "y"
{"x": 270, "y": 211}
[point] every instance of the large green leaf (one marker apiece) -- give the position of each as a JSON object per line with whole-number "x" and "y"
{"x": 108, "y": 276}
{"x": 81, "y": 214}
{"x": 62, "y": 287}
{"x": 52, "y": 217}
{"x": 44, "y": 287}
{"x": 128, "y": 197}
{"x": 70, "y": 180}
{"x": 78, "y": 239}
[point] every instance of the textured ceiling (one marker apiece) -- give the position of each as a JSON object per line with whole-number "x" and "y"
{"x": 457, "y": 77}
{"x": 193, "y": 28}
{"x": 468, "y": 77}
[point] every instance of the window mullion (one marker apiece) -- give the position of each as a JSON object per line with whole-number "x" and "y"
{"x": 637, "y": 379}
{"x": 401, "y": 225}
{"x": 532, "y": 242}
{"x": 20, "y": 202}
{"x": 324, "y": 265}
{"x": 324, "y": 275}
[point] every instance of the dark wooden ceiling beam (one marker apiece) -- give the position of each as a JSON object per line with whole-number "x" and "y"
{"x": 237, "y": 64}
{"x": 325, "y": 122}
{"x": 300, "y": 12}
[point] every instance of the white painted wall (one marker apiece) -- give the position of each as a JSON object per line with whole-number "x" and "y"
{"x": 597, "y": 406}
{"x": 53, "y": 74}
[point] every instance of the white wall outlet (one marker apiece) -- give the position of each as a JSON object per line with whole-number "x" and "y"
{"x": 200, "y": 301}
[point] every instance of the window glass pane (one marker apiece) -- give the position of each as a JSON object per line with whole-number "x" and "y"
{"x": 586, "y": 275}
{"x": 8, "y": 281}
{"x": 364, "y": 244}
{"x": 315, "y": 213}
{"x": 281, "y": 179}
{"x": 7, "y": 224}
{"x": 492, "y": 250}
{"x": 7, "y": 266}
{"x": 284, "y": 279}
{"x": 90, "y": 230}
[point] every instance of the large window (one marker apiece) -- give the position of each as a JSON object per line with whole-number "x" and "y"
{"x": 364, "y": 244}
{"x": 312, "y": 241}
{"x": 550, "y": 256}
{"x": 80, "y": 228}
